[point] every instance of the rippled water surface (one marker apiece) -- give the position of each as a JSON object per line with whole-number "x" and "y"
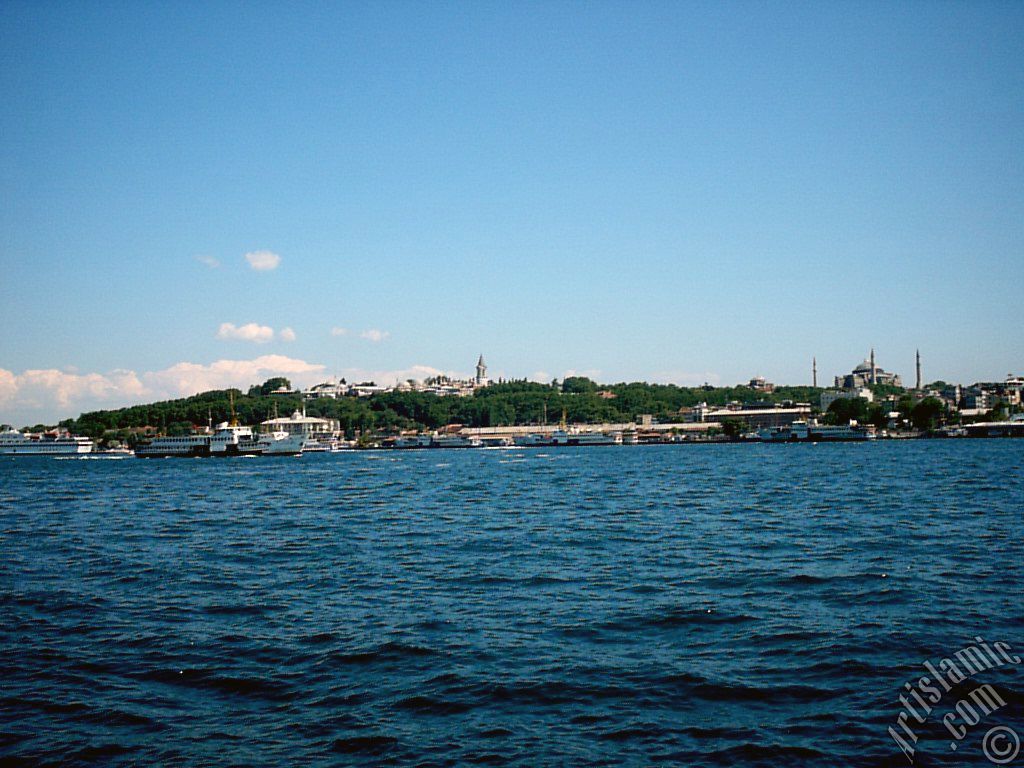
{"x": 720, "y": 605}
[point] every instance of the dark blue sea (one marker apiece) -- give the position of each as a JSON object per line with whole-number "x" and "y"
{"x": 695, "y": 605}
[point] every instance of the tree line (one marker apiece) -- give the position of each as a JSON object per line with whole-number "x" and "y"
{"x": 582, "y": 400}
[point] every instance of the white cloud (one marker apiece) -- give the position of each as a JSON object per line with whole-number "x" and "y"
{"x": 50, "y": 395}
{"x": 185, "y": 379}
{"x": 258, "y": 334}
{"x": 52, "y": 389}
{"x": 336, "y": 331}
{"x": 374, "y": 335}
{"x": 286, "y": 334}
{"x": 209, "y": 261}
{"x": 263, "y": 261}
{"x": 541, "y": 377}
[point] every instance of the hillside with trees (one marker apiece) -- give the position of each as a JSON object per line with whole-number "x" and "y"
{"x": 508, "y": 403}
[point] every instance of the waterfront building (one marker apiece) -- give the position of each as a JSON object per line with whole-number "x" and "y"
{"x": 765, "y": 415}
{"x": 299, "y": 423}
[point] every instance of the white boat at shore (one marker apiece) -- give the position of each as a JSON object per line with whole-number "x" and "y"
{"x": 802, "y": 431}
{"x": 568, "y": 437}
{"x": 455, "y": 441}
{"x": 408, "y": 442}
{"x": 563, "y": 437}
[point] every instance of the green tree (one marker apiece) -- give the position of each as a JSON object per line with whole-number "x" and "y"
{"x": 928, "y": 413}
{"x": 999, "y": 413}
{"x": 847, "y": 409}
{"x": 733, "y": 428}
{"x": 877, "y": 415}
{"x": 277, "y": 382}
{"x": 578, "y": 385}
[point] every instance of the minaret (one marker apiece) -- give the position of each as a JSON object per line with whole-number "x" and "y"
{"x": 874, "y": 379}
{"x": 814, "y": 372}
{"x": 481, "y": 372}
{"x": 919, "y": 370}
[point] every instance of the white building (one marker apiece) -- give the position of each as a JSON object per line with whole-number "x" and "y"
{"x": 329, "y": 389}
{"x": 299, "y": 423}
{"x": 830, "y": 396}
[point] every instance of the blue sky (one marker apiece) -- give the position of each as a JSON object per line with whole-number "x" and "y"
{"x": 673, "y": 192}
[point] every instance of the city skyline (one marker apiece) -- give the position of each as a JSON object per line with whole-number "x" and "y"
{"x": 126, "y": 388}
{"x": 199, "y": 198}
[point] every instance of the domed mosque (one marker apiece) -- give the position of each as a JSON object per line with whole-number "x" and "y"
{"x": 868, "y": 373}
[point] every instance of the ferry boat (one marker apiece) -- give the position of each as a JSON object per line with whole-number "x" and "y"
{"x": 409, "y": 442}
{"x": 56, "y": 443}
{"x": 533, "y": 440}
{"x": 844, "y": 432}
{"x": 280, "y": 443}
{"x": 814, "y": 432}
{"x": 437, "y": 441}
{"x": 455, "y": 441}
{"x": 1013, "y": 427}
{"x": 561, "y": 437}
{"x": 184, "y": 446}
{"x": 231, "y": 439}
{"x": 784, "y": 434}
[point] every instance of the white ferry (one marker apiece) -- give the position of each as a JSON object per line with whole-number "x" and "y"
{"x": 280, "y": 443}
{"x": 53, "y": 443}
{"x": 567, "y": 437}
{"x": 455, "y": 441}
{"x": 1012, "y": 427}
{"x": 231, "y": 439}
{"x": 317, "y": 435}
{"x": 185, "y": 446}
{"x": 814, "y": 432}
{"x": 409, "y": 442}
{"x": 533, "y": 440}
{"x": 784, "y": 434}
{"x": 437, "y": 441}
{"x": 851, "y": 431}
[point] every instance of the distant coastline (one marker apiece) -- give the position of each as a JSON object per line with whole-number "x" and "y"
{"x": 365, "y": 414}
